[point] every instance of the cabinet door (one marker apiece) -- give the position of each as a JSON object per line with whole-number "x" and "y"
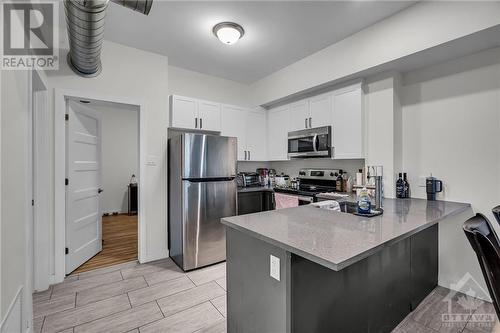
{"x": 250, "y": 202}
{"x": 321, "y": 111}
{"x": 234, "y": 124}
{"x": 209, "y": 115}
{"x": 299, "y": 116}
{"x": 348, "y": 124}
{"x": 256, "y": 138}
{"x": 278, "y": 123}
{"x": 183, "y": 112}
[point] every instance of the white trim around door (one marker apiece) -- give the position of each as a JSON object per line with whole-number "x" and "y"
{"x": 61, "y": 98}
{"x": 41, "y": 177}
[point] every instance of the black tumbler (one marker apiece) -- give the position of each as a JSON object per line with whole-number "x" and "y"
{"x": 433, "y": 186}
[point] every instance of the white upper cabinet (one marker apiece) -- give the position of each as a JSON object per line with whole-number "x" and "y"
{"x": 256, "y": 138}
{"x": 191, "y": 113}
{"x": 249, "y": 127}
{"x": 299, "y": 115}
{"x": 320, "y": 108}
{"x": 278, "y": 125}
{"x": 348, "y": 123}
{"x": 234, "y": 124}
{"x": 310, "y": 113}
{"x": 183, "y": 112}
{"x": 209, "y": 115}
{"x": 263, "y": 135}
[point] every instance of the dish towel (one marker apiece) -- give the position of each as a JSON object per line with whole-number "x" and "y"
{"x": 285, "y": 201}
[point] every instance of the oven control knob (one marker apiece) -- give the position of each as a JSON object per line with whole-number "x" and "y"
{"x": 331, "y": 174}
{"x": 302, "y": 173}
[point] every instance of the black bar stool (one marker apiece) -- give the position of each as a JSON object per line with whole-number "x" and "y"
{"x": 485, "y": 243}
{"x": 496, "y": 212}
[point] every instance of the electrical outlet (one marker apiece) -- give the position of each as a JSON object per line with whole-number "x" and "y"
{"x": 274, "y": 267}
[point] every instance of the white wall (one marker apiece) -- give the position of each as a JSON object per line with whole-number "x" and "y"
{"x": 451, "y": 128}
{"x": 14, "y": 160}
{"x": 120, "y": 154}
{"x": 141, "y": 75}
{"x": 382, "y": 124}
{"x": 193, "y": 84}
{"x": 419, "y": 27}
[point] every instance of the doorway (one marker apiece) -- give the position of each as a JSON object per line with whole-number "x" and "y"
{"x": 102, "y": 184}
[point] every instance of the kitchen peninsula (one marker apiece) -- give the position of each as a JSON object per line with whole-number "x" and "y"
{"x": 307, "y": 269}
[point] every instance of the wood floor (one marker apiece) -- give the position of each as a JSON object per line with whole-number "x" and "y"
{"x": 119, "y": 235}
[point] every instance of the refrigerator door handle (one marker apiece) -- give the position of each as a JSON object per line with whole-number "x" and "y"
{"x": 195, "y": 122}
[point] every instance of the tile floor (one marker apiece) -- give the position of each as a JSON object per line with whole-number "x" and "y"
{"x": 159, "y": 297}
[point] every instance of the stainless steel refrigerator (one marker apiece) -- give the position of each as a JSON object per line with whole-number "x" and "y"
{"x": 202, "y": 190}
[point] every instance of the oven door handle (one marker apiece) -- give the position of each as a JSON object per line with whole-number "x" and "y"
{"x": 302, "y": 198}
{"x": 315, "y": 142}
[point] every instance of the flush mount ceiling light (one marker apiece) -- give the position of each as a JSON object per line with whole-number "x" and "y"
{"x": 228, "y": 32}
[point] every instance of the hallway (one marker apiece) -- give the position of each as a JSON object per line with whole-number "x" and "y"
{"x": 119, "y": 238}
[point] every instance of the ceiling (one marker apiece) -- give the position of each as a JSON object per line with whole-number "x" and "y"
{"x": 276, "y": 33}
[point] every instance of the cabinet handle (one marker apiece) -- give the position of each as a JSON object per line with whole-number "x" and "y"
{"x": 310, "y": 122}
{"x": 249, "y": 155}
{"x": 201, "y": 122}
{"x": 306, "y": 122}
{"x": 195, "y": 122}
{"x": 245, "y": 155}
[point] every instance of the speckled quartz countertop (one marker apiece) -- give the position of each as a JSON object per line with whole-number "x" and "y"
{"x": 337, "y": 240}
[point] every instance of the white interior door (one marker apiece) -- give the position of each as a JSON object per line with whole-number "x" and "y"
{"x": 83, "y": 170}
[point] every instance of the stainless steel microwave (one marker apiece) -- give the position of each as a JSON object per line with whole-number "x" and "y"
{"x": 312, "y": 142}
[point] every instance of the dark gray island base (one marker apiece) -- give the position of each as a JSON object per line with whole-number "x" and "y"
{"x": 338, "y": 272}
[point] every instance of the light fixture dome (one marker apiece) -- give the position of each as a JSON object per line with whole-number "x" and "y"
{"x": 228, "y": 32}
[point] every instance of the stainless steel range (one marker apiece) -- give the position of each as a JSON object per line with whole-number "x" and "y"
{"x": 312, "y": 182}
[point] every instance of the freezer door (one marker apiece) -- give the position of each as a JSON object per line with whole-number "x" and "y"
{"x": 208, "y": 156}
{"x": 204, "y": 204}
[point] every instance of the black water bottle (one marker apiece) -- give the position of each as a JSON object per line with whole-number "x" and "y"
{"x": 400, "y": 188}
{"x": 340, "y": 182}
{"x": 406, "y": 192}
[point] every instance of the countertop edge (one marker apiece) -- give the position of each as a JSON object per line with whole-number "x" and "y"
{"x": 283, "y": 246}
{"x": 357, "y": 257}
{"x": 367, "y": 253}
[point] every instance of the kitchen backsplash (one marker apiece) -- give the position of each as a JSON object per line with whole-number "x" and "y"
{"x": 292, "y": 167}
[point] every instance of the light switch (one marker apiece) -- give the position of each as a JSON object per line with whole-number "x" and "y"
{"x": 151, "y": 161}
{"x": 274, "y": 267}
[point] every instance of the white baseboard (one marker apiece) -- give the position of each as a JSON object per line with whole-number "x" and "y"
{"x": 13, "y": 321}
{"x": 158, "y": 256}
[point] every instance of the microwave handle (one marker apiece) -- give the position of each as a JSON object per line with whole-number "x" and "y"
{"x": 315, "y": 142}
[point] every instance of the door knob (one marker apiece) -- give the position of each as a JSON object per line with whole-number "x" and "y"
{"x": 100, "y": 190}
